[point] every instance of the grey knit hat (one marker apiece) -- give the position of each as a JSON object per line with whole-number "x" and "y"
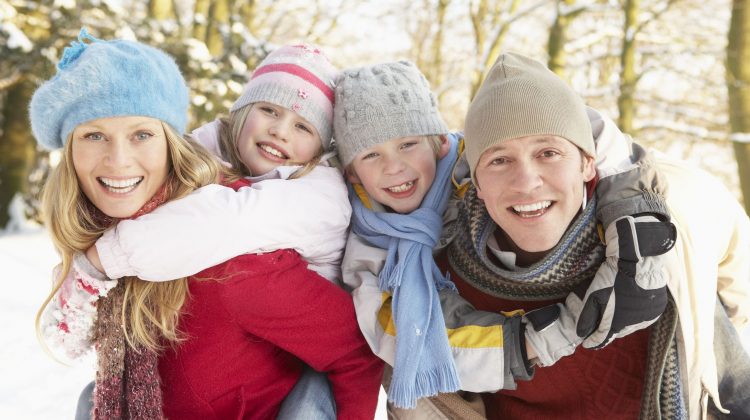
{"x": 521, "y": 97}
{"x": 378, "y": 103}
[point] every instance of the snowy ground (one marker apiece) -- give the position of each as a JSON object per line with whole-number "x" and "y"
{"x": 32, "y": 384}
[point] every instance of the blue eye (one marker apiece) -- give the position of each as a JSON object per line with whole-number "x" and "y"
{"x": 94, "y": 136}
{"x": 370, "y": 156}
{"x": 143, "y": 135}
{"x": 408, "y": 144}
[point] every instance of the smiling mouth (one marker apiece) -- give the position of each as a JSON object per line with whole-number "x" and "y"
{"x": 406, "y": 186}
{"x": 120, "y": 186}
{"x": 531, "y": 210}
{"x": 273, "y": 151}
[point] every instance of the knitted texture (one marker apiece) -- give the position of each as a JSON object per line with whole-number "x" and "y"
{"x": 521, "y": 97}
{"x": 662, "y": 389}
{"x": 299, "y": 78}
{"x": 382, "y": 102}
{"x": 572, "y": 263}
{"x": 102, "y": 79}
{"x": 423, "y": 364}
{"x": 127, "y": 377}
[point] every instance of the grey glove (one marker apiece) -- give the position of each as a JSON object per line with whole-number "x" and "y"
{"x": 629, "y": 291}
{"x": 551, "y": 330}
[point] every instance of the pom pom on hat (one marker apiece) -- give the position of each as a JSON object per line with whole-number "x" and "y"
{"x": 299, "y": 78}
{"x": 101, "y": 79}
{"x": 521, "y": 97}
{"x": 378, "y": 103}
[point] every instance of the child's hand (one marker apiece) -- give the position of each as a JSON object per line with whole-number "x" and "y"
{"x": 629, "y": 290}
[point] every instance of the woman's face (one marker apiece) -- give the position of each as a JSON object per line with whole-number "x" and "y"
{"x": 120, "y": 162}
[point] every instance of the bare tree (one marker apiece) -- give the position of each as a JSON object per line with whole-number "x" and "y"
{"x": 490, "y": 21}
{"x": 558, "y": 34}
{"x": 738, "y": 85}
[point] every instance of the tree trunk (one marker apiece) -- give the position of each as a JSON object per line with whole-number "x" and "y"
{"x": 161, "y": 9}
{"x": 200, "y": 24}
{"x": 738, "y": 85}
{"x": 17, "y": 146}
{"x": 628, "y": 77}
{"x": 558, "y": 36}
{"x": 218, "y": 17}
{"x": 436, "y": 72}
{"x": 492, "y": 35}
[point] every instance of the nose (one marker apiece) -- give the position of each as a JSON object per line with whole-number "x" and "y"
{"x": 280, "y": 128}
{"x": 525, "y": 178}
{"x": 119, "y": 153}
{"x": 392, "y": 165}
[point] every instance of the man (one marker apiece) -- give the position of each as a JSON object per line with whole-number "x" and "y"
{"x": 524, "y": 241}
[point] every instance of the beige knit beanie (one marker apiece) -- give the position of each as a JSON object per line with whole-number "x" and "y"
{"x": 521, "y": 97}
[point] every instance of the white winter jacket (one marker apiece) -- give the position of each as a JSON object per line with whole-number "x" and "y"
{"x": 309, "y": 214}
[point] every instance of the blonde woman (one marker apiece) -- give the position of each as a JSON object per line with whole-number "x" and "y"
{"x": 227, "y": 342}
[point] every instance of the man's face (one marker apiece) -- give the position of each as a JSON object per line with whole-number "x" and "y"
{"x": 398, "y": 173}
{"x": 533, "y": 188}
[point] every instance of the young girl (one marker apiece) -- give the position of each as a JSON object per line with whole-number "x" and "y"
{"x": 279, "y": 135}
{"x": 115, "y": 107}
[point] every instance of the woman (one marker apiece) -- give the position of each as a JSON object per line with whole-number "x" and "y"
{"x": 228, "y": 342}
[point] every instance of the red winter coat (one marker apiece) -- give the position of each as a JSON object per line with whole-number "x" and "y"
{"x": 250, "y": 323}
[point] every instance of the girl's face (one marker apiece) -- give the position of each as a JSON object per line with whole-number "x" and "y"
{"x": 120, "y": 162}
{"x": 273, "y": 136}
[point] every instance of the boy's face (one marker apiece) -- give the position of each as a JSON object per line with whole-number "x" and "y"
{"x": 399, "y": 172}
{"x": 532, "y": 188}
{"x": 273, "y": 136}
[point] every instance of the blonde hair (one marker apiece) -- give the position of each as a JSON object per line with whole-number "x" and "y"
{"x": 150, "y": 310}
{"x": 229, "y": 133}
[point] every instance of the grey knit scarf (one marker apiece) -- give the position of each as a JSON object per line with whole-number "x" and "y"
{"x": 570, "y": 265}
{"x": 572, "y": 262}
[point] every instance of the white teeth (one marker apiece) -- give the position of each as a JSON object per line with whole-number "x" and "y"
{"x": 271, "y": 150}
{"x": 532, "y": 207}
{"x": 120, "y": 183}
{"x": 401, "y": 188}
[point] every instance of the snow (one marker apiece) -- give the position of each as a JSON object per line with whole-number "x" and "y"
{"x": 33, "y": 385}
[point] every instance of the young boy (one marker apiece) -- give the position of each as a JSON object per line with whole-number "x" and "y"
{"x": 401, "y": 161}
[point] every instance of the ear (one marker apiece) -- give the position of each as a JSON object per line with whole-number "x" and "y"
{"x": 445, "y": 147}
{"x": 351, "y": 175}
{"x": 589, "y": 168}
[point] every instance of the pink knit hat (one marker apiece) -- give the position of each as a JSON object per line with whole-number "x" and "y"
{"x": 297, "y": 77}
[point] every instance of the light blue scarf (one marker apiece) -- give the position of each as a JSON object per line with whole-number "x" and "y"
{"x": 424, "y": 364}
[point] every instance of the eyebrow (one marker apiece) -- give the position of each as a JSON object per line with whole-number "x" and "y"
{"x": 546, "y": 139}
{"x": 141, "y": 124}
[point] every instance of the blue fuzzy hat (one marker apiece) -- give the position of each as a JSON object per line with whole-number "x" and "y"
{"x": 103, "y": 79}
